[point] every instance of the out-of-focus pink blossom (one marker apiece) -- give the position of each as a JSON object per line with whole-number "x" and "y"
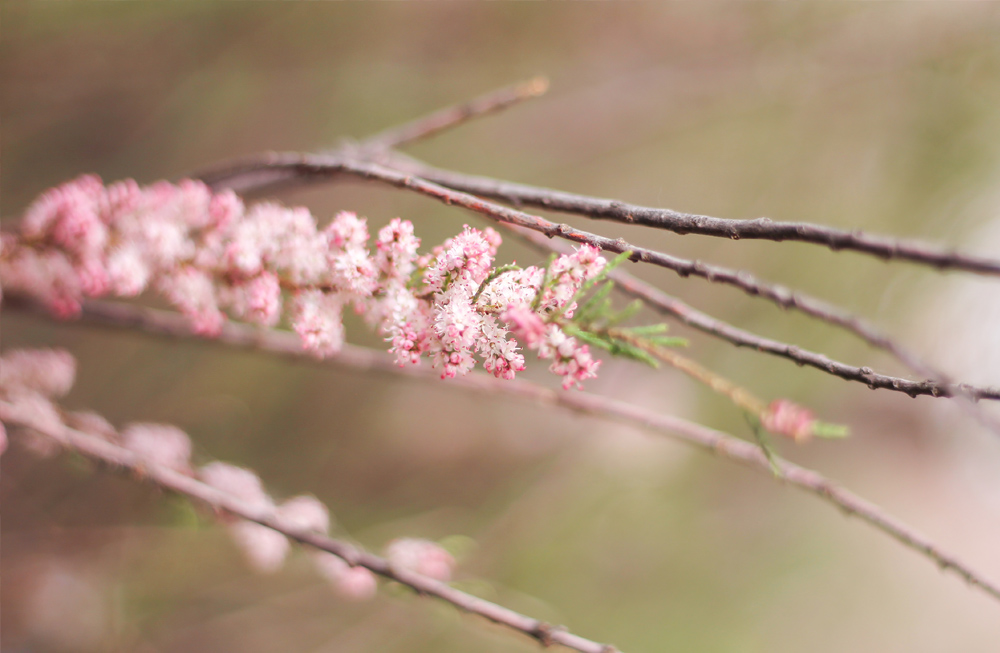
{"x": 355, "y": 583}
{"x": 237, "y": 481}
{"x": 159, "y": 444}
{"x": 787, "y": 418}
{"x": 50, "y": 372}
{"x": 305, "y": 513}
{"x": 317, "y": 320}
{"x": 94, "y": 424}
{"x": 422, "y": 557}
{"x": 526, "y": 325}
{"x": 265, "y": 549}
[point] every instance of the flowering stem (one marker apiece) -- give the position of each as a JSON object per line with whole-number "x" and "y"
{"x": 171, "y": 325}
{"x": 115, "y": 457}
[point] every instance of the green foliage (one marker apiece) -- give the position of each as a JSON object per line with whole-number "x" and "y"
{"x": 596, "y": 321}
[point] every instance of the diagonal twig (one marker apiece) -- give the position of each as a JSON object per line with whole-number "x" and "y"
{"x": 172, "y": 325}
{"x": 668, "y": 305}
{"x": 119, "y": 458}
{"x": 883, "y": 247}
{"x": 454, "y": 116}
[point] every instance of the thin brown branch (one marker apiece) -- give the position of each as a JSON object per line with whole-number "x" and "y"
{"x": 667, "y": 305}
{"x": 263, "y": 174}
{"x": 456, "y": 115}
{"x": 883, "y": 247}
{"x": 172, "y": 325}
{"x": 115, "y": 457}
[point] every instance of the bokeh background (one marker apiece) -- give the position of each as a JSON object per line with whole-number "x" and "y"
{"x": 882, "y": 117}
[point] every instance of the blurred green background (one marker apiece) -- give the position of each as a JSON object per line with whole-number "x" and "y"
{"x": 883, "y": 117}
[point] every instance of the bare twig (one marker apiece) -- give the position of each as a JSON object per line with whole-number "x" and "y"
{"x": 172, "y": 325}
{"x": 118, "y": 458}
{"x": 264, "y": 172}
{"x": 883, "y": 247}
{"x": 456, "y": 115}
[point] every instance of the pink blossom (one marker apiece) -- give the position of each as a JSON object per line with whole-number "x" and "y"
{"x": 128, "y": 270}
{"x": 193, "y": 292}
{"x": 257, "y": 300}
{"x": 526, "y": 325}
{"x": 159, "y": 444}
{"x": 265, "y": 549}
{"x": 353, "y": 271}
{"x": 208, "y": 255}
{"x": 304, "y": 513}
{"x": 784, "y": 417}
{"x": 514, "y": 288}
{"x": 94, "y": 424}
{"x": 569, "y": 272}
{"x": 570, "y": 360}
{"x": 465, "y": 258}
{"x": 66, "y": 211}
{"x": 237, "y": 481}
{"x": 50, "y": 372}
{"x": 317, "y": 321}
{"x": 396, "y": 249}
{"x": 224, "y": 209}
{"x": 356, "y": 583}
{"x": 500, "y": 356}
{"x": 421, "y": 557}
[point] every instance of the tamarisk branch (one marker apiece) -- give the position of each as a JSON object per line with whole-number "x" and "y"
{"x": 172, "y": 325}
{"x": 117, "y": 458}
{"x": 671, "y": 306}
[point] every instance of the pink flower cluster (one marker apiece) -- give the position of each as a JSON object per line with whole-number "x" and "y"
{"x": 209, "y": 255}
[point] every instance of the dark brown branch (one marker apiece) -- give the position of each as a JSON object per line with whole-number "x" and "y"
{"x": 671, "y": 306}
{"x": 883, "y": 247}
{"x": 172, "y": 325}
{"x": 115, "y": 457}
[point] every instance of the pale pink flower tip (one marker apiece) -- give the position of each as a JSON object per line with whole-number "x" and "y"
{"x": 787, "y": 418}
{"x": 356, "y": 583}
{"x": 265, "y": 549}
{"x": 305, "y": 513}
{"x": 526, "y": 324}
{"x": 422, "y": 557}
{"x": 159, "y": 444}
{"x": 50, "y": 372}
{"x": 237, "y": 481}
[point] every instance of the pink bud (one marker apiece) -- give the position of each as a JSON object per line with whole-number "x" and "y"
{"x": 784, "y": 417}
{"x": 159, "y": 444}
{"x": 356, "y": 583}
{"x": 422, "y": 557}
